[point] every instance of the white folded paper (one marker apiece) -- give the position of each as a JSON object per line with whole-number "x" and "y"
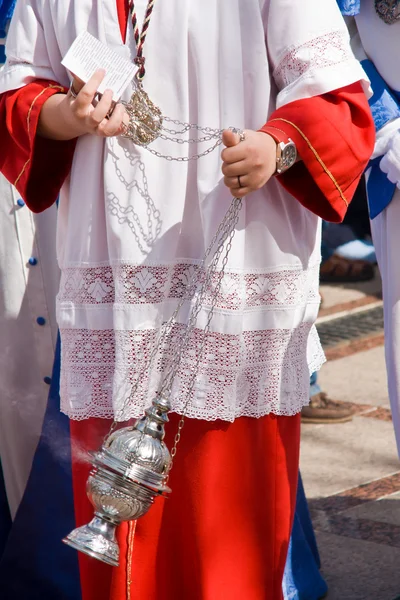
{"x": 87, "y": 54}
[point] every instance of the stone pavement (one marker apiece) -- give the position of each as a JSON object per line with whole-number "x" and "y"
{"x": 351, "y": 471}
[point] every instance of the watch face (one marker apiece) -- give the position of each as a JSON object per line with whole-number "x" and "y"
{"x": 289, "y": 155}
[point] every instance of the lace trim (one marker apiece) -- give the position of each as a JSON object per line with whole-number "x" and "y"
{"x": 251, "y": 374}
{"x": 138, "y": 285}
{"x": 324, "y": 51}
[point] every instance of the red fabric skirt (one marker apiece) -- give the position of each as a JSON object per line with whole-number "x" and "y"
{"x": 225, "y": 530}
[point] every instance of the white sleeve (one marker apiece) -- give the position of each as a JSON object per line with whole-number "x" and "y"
{"x": 385, "y": 135}
{"x": 309, "y": 48}
{"x": 27, "y": 46}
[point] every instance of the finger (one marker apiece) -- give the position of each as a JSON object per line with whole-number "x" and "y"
{"x": 77, "y": 83}
{"x": 89, "y": 89}
{"x": 235, "y": 169}
{"x": 237, "y": 182}
{"x": 113, "y": 125}
{"x": 229, "y": 138}
{"x": 102, "y": 108}
{"x": 235, "y": 153}
{"x": 239, "y": 192}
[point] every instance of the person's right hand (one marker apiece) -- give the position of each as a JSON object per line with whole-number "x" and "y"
{"x": 85, "y": 118}
{"x": 64, "y": 117}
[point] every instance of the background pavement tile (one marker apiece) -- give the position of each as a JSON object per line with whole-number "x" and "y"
{"x": 350, "y": 305}
{"x": 336, "y": 458}
{"x": 362, "y": 344}
{"x": 365, "y": 494}
{"x": 351, "y": 327}
{"x": 358, "y": 570}
{"x": 360, "y": 378}
{"x": 360, "y": 529}
{"x": 385, "y": 510}
{"x": 349, "y": 292}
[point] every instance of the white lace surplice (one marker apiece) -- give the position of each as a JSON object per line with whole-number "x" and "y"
{"x": 132, "y": 227}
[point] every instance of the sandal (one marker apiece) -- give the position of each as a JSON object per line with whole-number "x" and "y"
{"x": 338, "y": 269}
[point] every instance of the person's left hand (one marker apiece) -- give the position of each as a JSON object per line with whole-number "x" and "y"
{"x": 390, "y": 163}
{"x": 247, "y": 165}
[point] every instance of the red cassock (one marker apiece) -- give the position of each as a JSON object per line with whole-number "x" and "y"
{"x": 224, "y": 532}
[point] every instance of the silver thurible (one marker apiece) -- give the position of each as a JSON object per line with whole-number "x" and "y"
{"x": 129, "y": 472}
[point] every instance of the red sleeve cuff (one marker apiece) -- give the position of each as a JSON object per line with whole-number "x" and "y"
{"x": 335, "y": 136}
{"x": 36, "y": 166}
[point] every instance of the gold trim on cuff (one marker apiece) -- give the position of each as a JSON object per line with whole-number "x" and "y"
{"x": 49, "y": 87}
{"x": 317, "y": 156}
{"x": 22, "y": 172}
{"x": 28, "y": 123}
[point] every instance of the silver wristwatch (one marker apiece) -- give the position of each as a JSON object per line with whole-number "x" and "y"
{"x": 286, "y": 155}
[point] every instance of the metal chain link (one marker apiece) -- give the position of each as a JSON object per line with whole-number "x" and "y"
{"x": 200, "y": 282}
{"x": 201, "y": 292}
{"x": 184, "y": 159}
{"x": 168, "y": 134}
{"x": 210, "y": 134}
{"x": 225, "y": 231}
{"x": 128, "y": 214}
{"x": 217, "y": 290}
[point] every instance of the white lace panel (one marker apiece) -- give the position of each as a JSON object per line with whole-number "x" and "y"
{"x": 324, "y": 51}
{"x": 252, "y": 373}
{"x": 140, "y": 285}
{"x": 248, "y": 375}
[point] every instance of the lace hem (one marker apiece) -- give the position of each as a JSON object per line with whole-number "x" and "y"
{"x": 153, "y": 284}
{"x": 252, "y": 374}
{"x": 330, "y": 49}
{"x": 93, "y": 413}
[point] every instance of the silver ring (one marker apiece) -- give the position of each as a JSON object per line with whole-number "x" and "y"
{"x": 110, "y": 112}
{"x": 98, "y": 97}
{"x": 72, "y": 90}
{"x": 239, "y": 182}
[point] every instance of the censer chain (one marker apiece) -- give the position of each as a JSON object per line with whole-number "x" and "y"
{"x": 216, "y": 292}
{"x": 166, "y": 387}
{"x": 224, "y": 231}
{"x": 206, "y": 285}
{"x": 224, "y": 235}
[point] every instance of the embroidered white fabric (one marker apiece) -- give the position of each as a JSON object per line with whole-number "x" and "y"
{"x": 328, "y": 50}
{"x": 250, "y": 373}
{"x": 153, "y": 284}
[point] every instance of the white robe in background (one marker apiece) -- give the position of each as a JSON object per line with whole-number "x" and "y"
{"x": 27, "y": 292}
{"x": 380, "y": 43}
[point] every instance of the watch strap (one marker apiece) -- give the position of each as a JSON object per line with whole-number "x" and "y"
{"x": 282, "y": 141}
{"x": 277, "y": 134}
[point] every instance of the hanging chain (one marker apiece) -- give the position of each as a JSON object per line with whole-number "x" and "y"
{"x": 201, "y": 293}
{"x": 146, "y": 124}
{"x": 196, "y": 310}
{"x": 128, "y": 214}
{"x": 140, "y": 36}
{"x": 224, "y": 232}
